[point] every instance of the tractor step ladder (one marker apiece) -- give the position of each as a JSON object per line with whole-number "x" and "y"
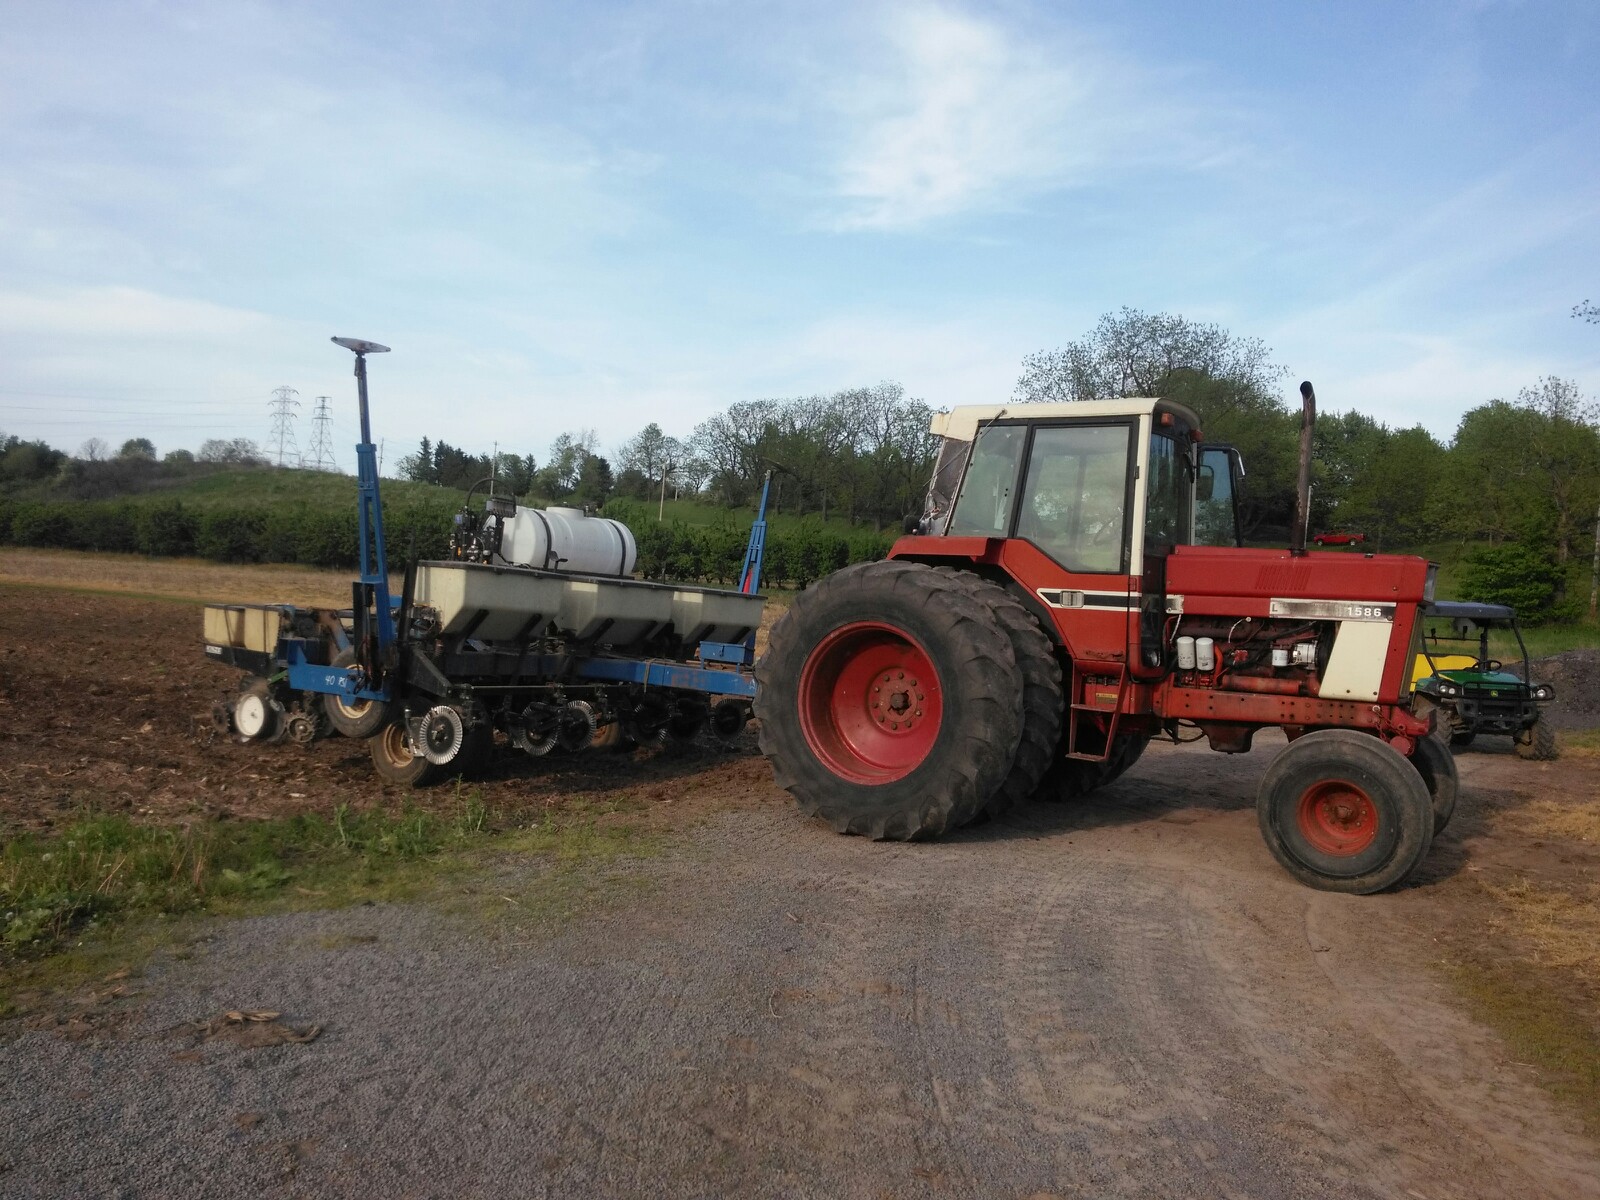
{"x": 1113, "y": 708}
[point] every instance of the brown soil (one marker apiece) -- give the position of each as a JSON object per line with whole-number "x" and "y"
{"x": 105, "y": 703}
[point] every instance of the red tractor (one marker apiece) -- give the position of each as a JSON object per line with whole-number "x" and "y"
{"x": 1076, "y": 587}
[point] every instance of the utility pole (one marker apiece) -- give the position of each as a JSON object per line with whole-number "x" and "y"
{"x": 283, "y": 404}
{"x": 661, "y": 509}
{"x": 320, "y": 457}
{"x": 1594, "y": 574}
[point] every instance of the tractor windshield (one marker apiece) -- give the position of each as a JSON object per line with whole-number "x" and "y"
{"x": 953, "y": 453}
{"x": 984, "y": 507}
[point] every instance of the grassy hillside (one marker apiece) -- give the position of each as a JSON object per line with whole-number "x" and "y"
{"x": 269, "y": 486}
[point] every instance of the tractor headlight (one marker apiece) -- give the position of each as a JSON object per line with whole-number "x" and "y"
{"x": 1448, "y": 689}
{"x": 1544, "y": 692}
{"x": 1430, "y": 583}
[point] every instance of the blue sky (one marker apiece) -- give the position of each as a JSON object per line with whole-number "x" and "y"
{"x": 598, "y": 215}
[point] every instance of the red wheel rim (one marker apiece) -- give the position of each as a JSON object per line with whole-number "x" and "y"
{"x": 1337, "y": 818}
{"x": 870, "y": 703}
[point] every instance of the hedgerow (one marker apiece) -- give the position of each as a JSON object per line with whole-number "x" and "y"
{"x": 327, "y": 536}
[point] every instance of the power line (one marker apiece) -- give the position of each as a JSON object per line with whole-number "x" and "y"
{"x": 320, "y": 456}
{"x": 283, "y": 404}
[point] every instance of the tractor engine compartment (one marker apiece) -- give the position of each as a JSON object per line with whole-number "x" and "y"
{"x": 1250, "y": 654}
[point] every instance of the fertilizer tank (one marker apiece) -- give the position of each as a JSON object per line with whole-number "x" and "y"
{"x": 564, "y": 539}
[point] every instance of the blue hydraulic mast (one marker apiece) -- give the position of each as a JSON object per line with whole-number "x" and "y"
{"x": 750, "y": 573}
{"x": 374, "y": 618}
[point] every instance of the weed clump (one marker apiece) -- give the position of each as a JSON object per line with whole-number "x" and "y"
{"x": 101, "y": 867}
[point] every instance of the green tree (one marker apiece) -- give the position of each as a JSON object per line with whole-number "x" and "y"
{"x": 1229, "y": 381}
{"x": 594, "y": 482}
{"x": 138, "y": 448}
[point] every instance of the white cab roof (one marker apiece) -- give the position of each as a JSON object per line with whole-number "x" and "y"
{"x": 963, "y": 422}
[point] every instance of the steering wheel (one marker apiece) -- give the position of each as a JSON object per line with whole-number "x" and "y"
{"x": 1491, "y": 664}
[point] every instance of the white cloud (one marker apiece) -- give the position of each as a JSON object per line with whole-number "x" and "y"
{"x": 91, "y": 315}
{"x": 960, "y": 113}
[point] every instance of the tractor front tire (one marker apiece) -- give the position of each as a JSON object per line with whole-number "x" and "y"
{"x": 1538, "y": 742}
{"x": 890, "y": 702}
{"x": 353, "y": 717}
{"x": 1437, "y": 766}
{"x": 1344, "y": 811}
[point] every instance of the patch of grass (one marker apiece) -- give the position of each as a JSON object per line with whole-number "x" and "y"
{"x": 1562, "y": 822}
{"x": 1541, "y": 1025}
{"x": 1544, "y": 640}
{"x": 1583, "y": 742}
{"x": 105, "y": 891}
{"x": 1561, "y": 927}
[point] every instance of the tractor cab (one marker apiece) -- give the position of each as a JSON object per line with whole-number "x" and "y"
{"x": 1087, "y": 500}
{"x": 1095, "y": 484}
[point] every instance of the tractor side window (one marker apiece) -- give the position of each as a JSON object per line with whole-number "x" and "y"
{"x": 1074, "y": 503}
{"x": 984, "y": 509}
{"x": 1216, "y": 521}
{"x": 1166, "y": 514}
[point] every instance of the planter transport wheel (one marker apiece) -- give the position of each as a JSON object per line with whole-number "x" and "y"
{"x": 393, "y": 760}
{"x": 1437, "y": 766}
{"x": 1344, "y": 811}
{"x": 349, "y": 715}
{"x": 890, "y": 703}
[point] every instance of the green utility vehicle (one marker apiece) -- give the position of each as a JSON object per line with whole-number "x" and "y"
{"x": 1474, "y": 693}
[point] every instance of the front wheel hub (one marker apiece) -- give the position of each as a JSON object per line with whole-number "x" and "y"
{"x": 1337, "y": 818}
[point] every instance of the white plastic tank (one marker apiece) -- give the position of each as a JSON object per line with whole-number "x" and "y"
{"x": 564, "y": 539}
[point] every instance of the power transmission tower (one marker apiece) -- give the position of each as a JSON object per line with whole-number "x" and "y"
{"x": 283, "y": 404}
{"x": 320, "y": 456}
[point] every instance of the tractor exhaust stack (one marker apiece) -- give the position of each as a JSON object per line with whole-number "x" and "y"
{"x": 1302, "y": 504}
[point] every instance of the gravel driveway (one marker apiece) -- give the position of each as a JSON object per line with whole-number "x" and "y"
{"x": 1126, "y": 998}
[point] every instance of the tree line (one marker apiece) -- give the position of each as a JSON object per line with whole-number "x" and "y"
{"x": 1517, "y": 486}
{"x": 862, "y": 454}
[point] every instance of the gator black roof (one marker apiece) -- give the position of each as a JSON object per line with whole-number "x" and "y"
{"x": 1472, "y": 612}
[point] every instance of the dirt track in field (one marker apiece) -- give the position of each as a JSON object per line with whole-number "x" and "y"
{"x": 1124, "y": 997}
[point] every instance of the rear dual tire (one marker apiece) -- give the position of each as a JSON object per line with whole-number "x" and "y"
{"x": 1043, "y": 703}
